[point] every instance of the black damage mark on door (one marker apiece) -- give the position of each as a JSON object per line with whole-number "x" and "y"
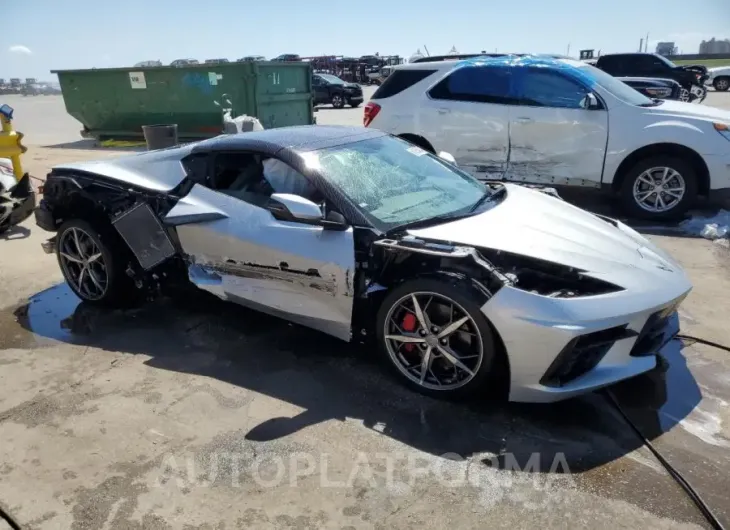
{"x": 310, "y": 278}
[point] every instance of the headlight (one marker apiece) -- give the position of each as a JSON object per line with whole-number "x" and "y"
{"x": 723, "y": 129}
{"x": 659, "y": 92}
{"x": 546, "y": 278}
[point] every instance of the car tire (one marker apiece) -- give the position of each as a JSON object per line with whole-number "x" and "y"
{"x": 354, "y": 105}
{"x": 481, "y": 339}
{"x": 721, "y": 84}
{"x": 105, "y": 282}
{"x": 635, "y": 186}
{"x": 338, "y": 101}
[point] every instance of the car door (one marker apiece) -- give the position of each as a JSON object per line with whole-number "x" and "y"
{"x": 321, "y": 91}
{"x": 553, "y": 139}
{"x": 239, "y": 251}
{"x": 467, "y": 114}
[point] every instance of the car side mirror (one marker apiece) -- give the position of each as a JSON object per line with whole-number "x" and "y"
{"x": 443, "y": 155}
{"x": 335, "y": 221}
{"x": 590, "y": 102}
{"x": 289, "y": 207}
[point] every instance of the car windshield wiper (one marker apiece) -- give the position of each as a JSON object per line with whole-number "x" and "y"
{"x": 420, "y": 223}
{"x": 654, "y": 103}
{"x": 489, "y": 195}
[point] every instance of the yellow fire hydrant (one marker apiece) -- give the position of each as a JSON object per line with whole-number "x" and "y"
{"x": 17, "y": 202}
{"x": 10, "y": 141}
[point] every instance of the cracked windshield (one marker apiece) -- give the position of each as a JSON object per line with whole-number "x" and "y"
{"x": 398, "y": 183}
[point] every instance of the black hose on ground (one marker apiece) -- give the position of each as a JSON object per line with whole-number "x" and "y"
{"x": 676, "y": 475}
{"x": 5, "y": 516}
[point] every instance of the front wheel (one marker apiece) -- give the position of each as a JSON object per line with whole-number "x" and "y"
{"x": 721, "y": 84}
{"x": 658, "y": 188}
{"x": 435, "y": 337}
{"x": 354, "y": 105}
{"x": 92, "y": 263}
{"x": 338, "y": 101}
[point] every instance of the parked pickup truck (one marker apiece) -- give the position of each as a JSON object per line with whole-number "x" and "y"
{"x": 691, "y": 77}
{"x": 329, "y": 88}
{"x": 559, "y": 122}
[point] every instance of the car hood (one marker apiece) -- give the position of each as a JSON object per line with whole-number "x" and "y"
{"x": 533, "y": 224}
{"x": 159, "y": 170}
{"x": 717, "y": 69}
{"x": 683, "y": 109}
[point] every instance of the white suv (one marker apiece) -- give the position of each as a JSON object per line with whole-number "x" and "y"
{"x": 559, "y": 122}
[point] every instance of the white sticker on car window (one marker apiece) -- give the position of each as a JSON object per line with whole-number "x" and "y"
{"x": 417, "y": 150}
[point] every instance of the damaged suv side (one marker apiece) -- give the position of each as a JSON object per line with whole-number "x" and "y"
{"x": 359, "y": 234}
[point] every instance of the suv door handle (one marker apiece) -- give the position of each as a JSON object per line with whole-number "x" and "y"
{"x": 523, "y": 119}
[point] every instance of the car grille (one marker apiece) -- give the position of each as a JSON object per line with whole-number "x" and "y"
{"x": 582, "y": 354}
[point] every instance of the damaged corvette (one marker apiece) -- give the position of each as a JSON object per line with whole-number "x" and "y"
{"x": 463, "y": 285}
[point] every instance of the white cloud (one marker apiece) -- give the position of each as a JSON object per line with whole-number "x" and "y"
{"x": 20, "y": 50}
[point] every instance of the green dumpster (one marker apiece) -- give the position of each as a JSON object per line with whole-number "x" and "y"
{"x": 117, "y": 102}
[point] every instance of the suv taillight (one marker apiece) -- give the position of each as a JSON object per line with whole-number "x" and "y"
{"x": 371, "y": 110}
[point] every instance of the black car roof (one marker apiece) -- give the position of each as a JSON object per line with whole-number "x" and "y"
{"x": 298, "y": 138}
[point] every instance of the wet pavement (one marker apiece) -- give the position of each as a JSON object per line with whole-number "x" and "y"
{"x": 581, "y": 445}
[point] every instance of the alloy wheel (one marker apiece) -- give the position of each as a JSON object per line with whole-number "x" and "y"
{"x": 337, "y": 101}
{"x": 433, "y": 341}
{"x": 82, "y": 263}
{"x": 684, "y": 95}
{"x": 659, "y": 189}
{"x": 722, "y": 84}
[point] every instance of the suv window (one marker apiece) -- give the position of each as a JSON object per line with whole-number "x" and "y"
{"x": 481, "y": 84}
{"x": 543, "y": 88}
{"x": 398, "y": 81}
{"x": 612, "y": 63}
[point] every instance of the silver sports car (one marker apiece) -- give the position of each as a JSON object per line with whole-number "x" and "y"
{"x": 463, "y": 285}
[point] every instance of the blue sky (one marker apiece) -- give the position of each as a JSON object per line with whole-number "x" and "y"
{"x": 40, "y": 35}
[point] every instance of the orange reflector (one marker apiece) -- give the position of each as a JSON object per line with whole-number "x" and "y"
{"x": 721, "y": 127}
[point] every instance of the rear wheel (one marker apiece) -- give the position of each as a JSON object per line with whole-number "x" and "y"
{"x": 435, "y": 337}
{"x": 92, "y": 262}
{"x": 660, "y": 187}
{"x": 721, "y": 84}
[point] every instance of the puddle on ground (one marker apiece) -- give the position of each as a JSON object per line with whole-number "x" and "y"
{"x": 44, "y": 318}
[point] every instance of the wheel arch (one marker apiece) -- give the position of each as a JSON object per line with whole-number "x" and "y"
{"x": 666, "y": 149}
{"x": 376, "y": 297}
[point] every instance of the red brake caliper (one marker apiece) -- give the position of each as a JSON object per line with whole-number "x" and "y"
{"x": 409, "y": 324}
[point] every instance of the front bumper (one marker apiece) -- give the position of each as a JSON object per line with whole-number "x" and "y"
{"x": 539, "y": 334}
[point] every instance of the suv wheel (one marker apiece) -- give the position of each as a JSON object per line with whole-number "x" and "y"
{"x": 338, "y": 101}
{"x": 660, "y": 187}
{"x": 721, "y": 84}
